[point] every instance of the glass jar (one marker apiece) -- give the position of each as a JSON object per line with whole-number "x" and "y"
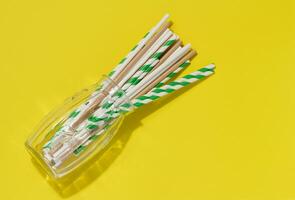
{"x": 79, "y": 129}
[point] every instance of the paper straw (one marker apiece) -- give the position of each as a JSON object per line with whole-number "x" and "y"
{"x": 173, "y": 86}
{"x": 173, "y": 74}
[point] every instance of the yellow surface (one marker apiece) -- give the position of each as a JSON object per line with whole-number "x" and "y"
{"x": 230, "y": 137}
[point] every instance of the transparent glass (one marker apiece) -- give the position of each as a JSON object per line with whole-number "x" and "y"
{"x": 62, "y": 142}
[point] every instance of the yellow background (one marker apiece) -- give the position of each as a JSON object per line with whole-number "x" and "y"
{"x": 230, "y": 137}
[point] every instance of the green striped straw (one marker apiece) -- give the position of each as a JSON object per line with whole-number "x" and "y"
{"x": 173, "y": 86}
{"x": 173, "y": 74}
{"x": 155, "y": 94}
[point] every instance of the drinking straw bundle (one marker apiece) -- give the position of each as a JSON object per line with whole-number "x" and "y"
{"x": 143, "y": 76}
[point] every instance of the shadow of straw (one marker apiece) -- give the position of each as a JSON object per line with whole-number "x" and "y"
{"x": 100, "y": 163}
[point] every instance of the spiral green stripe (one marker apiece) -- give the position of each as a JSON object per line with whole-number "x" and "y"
{"x": 173, "y": 74}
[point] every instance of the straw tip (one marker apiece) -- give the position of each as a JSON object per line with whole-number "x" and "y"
{"x": 187, "y": 46}
{"x": 166, "y": 16}
{"x": 211, "y": 66}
